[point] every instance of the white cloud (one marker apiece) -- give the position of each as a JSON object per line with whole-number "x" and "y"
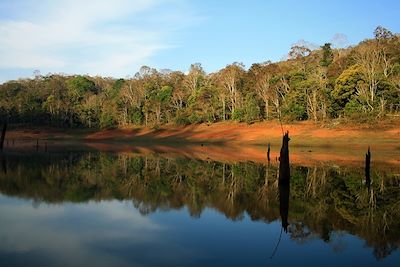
{"x": 307, "y": 44}
{"x": 339, "y": 40}
{"x": 99, "y": 37}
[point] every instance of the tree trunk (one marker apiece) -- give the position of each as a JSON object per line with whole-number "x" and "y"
{"x": 323, "y": 109}
{"x": 284, "y": 169}
{"x": 158, "y": 113}
{"x": 223, "y": 108}
{"x": 232, "y": 105}
{"x": 284, "y": 181}
{"x": 315, "y": 105}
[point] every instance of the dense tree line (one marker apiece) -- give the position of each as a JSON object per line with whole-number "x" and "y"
{"x": 322, "y": 84}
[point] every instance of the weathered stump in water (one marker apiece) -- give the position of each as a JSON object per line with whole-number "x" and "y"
{"x": 368, "y": 168}
{"x": 3, "y": 135}
{"x": 37, "y": 144}
{"x": 284, "y": 169}
{"x": 268, "y": 152}
{"x": 284, "y": 181}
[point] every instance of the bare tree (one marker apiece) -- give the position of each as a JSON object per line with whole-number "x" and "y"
{"x": 369, "y": 58}
{"x": 228, "y": 78}
{"x": 316, "y": 100}
{"x": 133, "y": 93}
{"x": 194, "y": 77}
{"x": 298, "y": 51}
{"x": 180, "y": 92}
{"x": 264, "y": 90}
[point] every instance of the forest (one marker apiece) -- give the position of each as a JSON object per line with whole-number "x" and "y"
{"x": 359, "y": 83}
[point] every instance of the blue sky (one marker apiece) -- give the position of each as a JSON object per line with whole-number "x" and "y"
{"x": 115, "y": 37}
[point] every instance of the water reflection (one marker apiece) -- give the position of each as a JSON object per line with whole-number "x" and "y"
{"x": 3, "y": 163}
{"x": 324, "y": 201}
{"x": 28, "y": 231}
{"x": 368, "y": 168}
{"x": 284, "y": 192}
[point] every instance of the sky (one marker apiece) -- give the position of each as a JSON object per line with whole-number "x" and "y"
{"x": 114, "y": 38}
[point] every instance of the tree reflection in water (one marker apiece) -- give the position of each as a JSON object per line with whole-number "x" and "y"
{"x": 323, "y": 199}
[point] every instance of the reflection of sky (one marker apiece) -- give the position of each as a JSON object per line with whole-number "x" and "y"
{"x": 113, "y": 233}
{"x": 74, "y": 235}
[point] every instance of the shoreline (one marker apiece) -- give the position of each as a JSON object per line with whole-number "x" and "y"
{"x": 306, "y": 133}
{"x": 228, "y": 153}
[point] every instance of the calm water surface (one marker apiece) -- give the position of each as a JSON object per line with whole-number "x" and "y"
{"x": 106, "y": 209}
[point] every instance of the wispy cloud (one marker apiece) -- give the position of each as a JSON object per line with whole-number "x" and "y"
{"x": 98, "y": 37}
{"x": 339, "y": 40}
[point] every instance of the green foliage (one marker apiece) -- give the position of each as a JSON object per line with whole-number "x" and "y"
{"x": 250, "y": 113}
{"x": 327, "y": 55}
{"x": 295, "y": 108}
{"x": 136, "y": 116}
{"x": 354, "y": 109}
{"x": 294, "y": 111}
{"x": 79, "y": 85}
{"x": 165, "y": 94}
{"x": 108, "y": 117}
{"x": 388, "y": 91}
{"x": 195, "y": 118}
{"x": 239, "y": 114}
{"x": 181, "y": 118}
{"x": 312, "y": 85}
{"x": 251, "y": 109}
{"x": 11, "y": 89}
{"x": 346, "y": 84}
{"x": 116, "y": 87}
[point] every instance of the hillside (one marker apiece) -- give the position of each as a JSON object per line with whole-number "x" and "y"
{"x": 360, "y": 83}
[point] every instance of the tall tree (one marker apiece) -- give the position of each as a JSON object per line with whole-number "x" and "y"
{"x": 263, "y": 85}
{"x": 369, "y": 58}
{"x": 382, "y": 33}
{"x": 327, "y": 55}
{"x": 229, "y": 78}
{"x": 194, "y": 78}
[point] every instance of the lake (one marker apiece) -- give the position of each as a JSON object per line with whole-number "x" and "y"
{"x": 91, "y": 208}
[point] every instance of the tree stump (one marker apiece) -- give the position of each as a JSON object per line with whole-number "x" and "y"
{"x": 284, "y": 168}
{"x": 284, "y": 181}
